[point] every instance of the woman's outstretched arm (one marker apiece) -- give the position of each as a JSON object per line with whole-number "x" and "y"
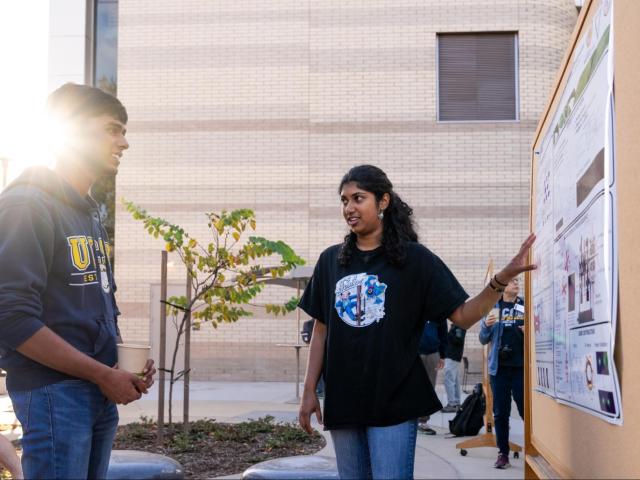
{"x": 477, "y": 307}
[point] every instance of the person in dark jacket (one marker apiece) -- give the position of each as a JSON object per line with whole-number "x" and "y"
{"x": 452, "y": 359}
{"x": 58, "y": 313}
{"x": 432, "y": 347}
{"x": 307, "y": 331}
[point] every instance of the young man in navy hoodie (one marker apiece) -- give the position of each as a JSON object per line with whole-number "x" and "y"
{"x": 58, "y": 314}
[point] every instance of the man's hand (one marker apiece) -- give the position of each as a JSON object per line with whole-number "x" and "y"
{"x": 120, "y": 386}
{"x": 441, "y": 364}
{"x": 147, "y": 373}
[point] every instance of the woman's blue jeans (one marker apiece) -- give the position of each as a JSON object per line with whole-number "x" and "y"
{"x": 68, "y": 428}
{"x": 376, "y": 452}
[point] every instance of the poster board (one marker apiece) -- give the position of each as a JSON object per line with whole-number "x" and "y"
{"x": 561, "y": 441}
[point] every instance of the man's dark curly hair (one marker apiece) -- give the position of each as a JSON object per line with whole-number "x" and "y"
{"x": 75, "y": 103}
{"x": 397, "y": 222}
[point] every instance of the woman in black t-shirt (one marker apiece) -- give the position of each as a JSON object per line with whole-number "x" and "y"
{"x": 372, "y": 295}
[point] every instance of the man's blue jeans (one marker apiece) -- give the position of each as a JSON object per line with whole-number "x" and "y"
{"x": 508, "y": 381}
{"x": 68, "y": 428}
{"x": 452, "y": 381}
{"x": 376, "y": 452}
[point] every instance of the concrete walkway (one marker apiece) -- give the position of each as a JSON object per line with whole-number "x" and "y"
{"x": 436, "y": 456}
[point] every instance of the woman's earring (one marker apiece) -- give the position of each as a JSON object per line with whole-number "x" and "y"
{"x": 381, "y": 214}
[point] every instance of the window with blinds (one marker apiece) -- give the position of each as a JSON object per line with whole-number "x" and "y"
{"x": 477, "y": 77}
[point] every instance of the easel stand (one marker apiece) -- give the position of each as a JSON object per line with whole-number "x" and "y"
{"x": 487, "y": 439}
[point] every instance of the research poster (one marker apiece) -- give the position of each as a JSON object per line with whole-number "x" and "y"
{"x": 574, "y": 289}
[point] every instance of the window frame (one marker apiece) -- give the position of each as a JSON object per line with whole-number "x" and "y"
{"x": 516, "y": 64}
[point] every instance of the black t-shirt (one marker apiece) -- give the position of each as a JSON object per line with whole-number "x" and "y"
{"x": 455, "y": 343}
{"x": 512, "y": 317}
{"x": 375, "y": 313}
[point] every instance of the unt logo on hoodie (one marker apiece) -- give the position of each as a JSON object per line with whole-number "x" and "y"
{"x": 79, "y": 246}
{"x": 87, "y": 257}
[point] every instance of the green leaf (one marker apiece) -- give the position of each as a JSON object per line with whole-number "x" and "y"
{"x": 281, "y": 248}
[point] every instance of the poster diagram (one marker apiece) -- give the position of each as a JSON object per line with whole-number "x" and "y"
{"x": 542, "y": 278}
{"x": 574, "y": 289}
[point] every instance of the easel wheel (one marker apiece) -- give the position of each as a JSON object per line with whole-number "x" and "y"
{"x": 463, "y": 452}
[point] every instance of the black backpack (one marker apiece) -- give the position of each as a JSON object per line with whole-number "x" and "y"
{"x": 469, "y": 420}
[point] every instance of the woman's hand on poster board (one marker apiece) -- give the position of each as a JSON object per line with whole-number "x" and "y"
{"x": 519, "y": 263}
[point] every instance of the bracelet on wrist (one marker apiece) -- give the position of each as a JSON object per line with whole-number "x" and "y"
{"x": 495, "y": 288}
{"x": 498, "y": 282}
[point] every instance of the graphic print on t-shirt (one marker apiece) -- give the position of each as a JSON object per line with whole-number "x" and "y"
{"x": 513, "y": 313}
{"x": 360, "y": 299}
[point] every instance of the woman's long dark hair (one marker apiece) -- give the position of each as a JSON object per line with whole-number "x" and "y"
{"x": 397, "y": 222}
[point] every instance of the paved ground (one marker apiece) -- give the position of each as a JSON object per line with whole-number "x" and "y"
{"x": 436, "y": 456}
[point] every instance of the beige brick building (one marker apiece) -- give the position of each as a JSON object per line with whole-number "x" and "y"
{"x": 266, "y": 104}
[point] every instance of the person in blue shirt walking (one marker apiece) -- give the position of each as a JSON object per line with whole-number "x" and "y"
{"x": 505, "y": 332}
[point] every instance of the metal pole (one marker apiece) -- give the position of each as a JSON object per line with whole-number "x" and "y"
{"x": 187, "y": 363}
{"x": 163, "y": 344}
{"x": 5, "y": 171}
{"x": 298, "y": 348}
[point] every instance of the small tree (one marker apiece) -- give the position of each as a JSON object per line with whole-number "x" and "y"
{"x": 225, "y": 273}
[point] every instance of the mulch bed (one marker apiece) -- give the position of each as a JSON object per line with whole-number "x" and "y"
{"x": 214, "y": 449}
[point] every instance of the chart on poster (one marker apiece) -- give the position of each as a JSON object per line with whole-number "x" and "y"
{"x": 574, "y": 290}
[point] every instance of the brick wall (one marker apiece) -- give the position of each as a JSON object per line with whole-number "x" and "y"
{"x": 267, "y": 103}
